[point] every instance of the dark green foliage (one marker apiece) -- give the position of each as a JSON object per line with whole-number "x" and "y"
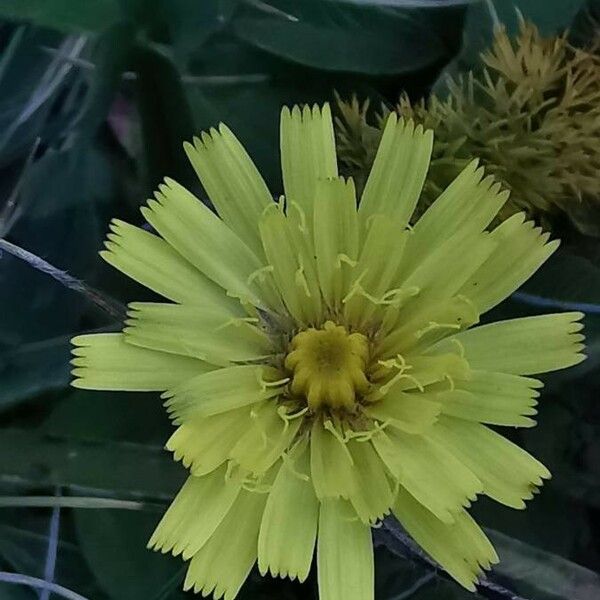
{"x": 96, "y": 97}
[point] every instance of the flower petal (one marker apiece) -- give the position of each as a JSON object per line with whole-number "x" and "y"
{"x": 222, "y": 565}
{"x": 494, "y": 398}
{"x": 398, "y": 173}
{"x": 444, "y": 271}
{"x": 336, "y": 237}
{"x": 220, "y": 390}
{"x": 196, "y": 512}
{"x": 182, "y": 220}
{"x": 470, "y": 203}
{"x": 344, "y": 554}
{"x": 330, "y": 464}
{"x": 150, "y": 260}
{"x": 307, "y": 145}
{"x": 232, "y": 182}
{"x": 523, "y": 346}
{"x": 289, "y": 525}
{"x": 415, "y": 335}
{"x": 508, "y": 473}
{"x": 290, "y": 253}
{"x": 105, "y": 361}
{"x": 461, "y": 547}
{"x": 411, "y": 412}
{"x": 373, "y": 289}
{"x": 372, "y": 495}
{"x": 208, "y": 333}
{"x": 204, "y": 443}
{"x": 432, "y": 475}
{"x": 520, "y": 251}
{"x": 266, "y": 438}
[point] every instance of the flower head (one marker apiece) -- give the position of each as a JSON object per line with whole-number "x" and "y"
{"x": 317, "y": 359}
{"x": 530, "y": 113}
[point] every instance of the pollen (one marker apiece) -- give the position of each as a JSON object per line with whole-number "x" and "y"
{"x": 328, "y": 367}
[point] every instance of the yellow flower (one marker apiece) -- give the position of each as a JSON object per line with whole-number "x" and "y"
{"x": 317, "y": 360}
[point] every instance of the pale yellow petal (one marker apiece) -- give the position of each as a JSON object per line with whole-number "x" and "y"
{"x": 336, "y": 237}
{"x": 508, "y": 473}
{"x": 232, "y": 182}
{"x": 520, "y": 251}
{"x": 195, "y": 514}
{"x": 416, "y": 334}
{"x": 105, "y": 361}
{"x": 221, "y": 390}
{"x": 432, "y": 475}
{"x": 307, "y": 144}
{"x": 288, "y": 529}
{"x": 344, "y": 554}
{"x": 204, "y": 443}
{"x": 204, "y": 240}
{"x": 151, "y": 261}
{"x": 522, "y": 346}
{"x": 268, "y": 435}
{"x": 461, "y": 547}
{"x": 291, "y": 256}
{"x": 211, "y": 334}
{"x": 223, "y": 563}
{"x": 444, "y": 271}
{"x": 374, "y": 279}
{"x": 469, "y": 203}
{"x": 398, "y": 173}
{"x": 411, "y": 412}
{"x": 330, "y": 464}
{"x": 372, "y": 493}
{"x": 494, "y": 398}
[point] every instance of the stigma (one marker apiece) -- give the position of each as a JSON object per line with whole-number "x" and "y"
{"x": 328, "y": 367}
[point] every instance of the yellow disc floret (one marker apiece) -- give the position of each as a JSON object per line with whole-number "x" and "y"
{"x": 328, "y": 366}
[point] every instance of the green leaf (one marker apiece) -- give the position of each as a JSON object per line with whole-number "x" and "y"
{"x": 33, "y": 368}
{"x": 166, "y": 117}
{"x": 118, "y": 469}
{"x": 537, "y": 574}
{"x": 65, "y": 15}
{"x": 24, "y": 545}
{"x": 343, "y": 37}
{"x": 102, "y": 416}
{"x": 114, "y": 545}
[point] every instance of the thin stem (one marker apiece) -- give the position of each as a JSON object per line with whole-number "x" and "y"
{"x": 112, "y": 307}
{"x": 12, "y": 210}
{"x": 34, "y": 582}
{"x": 413, "y": 589}
{"x": 50, "y": 565}
{"x": 74, "y": 502}
{"x": 493, "y": 13}
{"x": 408, "y": 547}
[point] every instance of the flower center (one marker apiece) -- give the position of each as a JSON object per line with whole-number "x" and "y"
{"x": 328, "y": 366}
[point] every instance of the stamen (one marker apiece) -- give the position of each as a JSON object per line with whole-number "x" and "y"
{"x": 289, "y": 464}
{"x": 432, "y": 326}
{"x": 302, "y": 226}
{"x": 238, "y": 322}
{"x": 461, "y": 348}
{"x": 229, "y": 471}
{"x": 260, "y": 274}
{"x": 344, "y": 259}
{"x": 399, "y": 363}
{"x": 265, "y": 385}
{"x": 338, "y": 436}
{"x": 301, "y": 281}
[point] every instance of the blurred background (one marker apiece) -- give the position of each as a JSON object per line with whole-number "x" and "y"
{"x": 96, "y": 98}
